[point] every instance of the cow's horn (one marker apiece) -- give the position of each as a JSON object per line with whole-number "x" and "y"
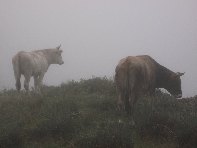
{"x": 180, "y": 74}
{"x": 58, "y": 47}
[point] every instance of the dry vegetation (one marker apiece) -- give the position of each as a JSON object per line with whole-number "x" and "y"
{"x": 83, "y": 115}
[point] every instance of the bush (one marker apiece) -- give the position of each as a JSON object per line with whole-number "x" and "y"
{"x": 111, "y": 134}
{"x": 83, "y": 114}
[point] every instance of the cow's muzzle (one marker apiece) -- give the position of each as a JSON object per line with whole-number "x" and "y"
{"x": 62, "y": 62}
{"x": 179, "y": 96}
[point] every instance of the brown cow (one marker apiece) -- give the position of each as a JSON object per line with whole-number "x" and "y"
{"x": 141, "y": 75}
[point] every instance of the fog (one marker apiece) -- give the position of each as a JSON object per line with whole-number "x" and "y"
{"x": 96, "y": 34}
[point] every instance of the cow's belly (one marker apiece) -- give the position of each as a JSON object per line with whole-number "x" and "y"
{"x": 38, "y": 70}
{"x": 39, "y": 66}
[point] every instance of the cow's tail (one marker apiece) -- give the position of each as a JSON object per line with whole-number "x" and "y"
{"x": 127, "y": 89}
{"x": 17, "y": 72}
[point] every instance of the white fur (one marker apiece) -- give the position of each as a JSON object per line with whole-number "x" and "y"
{"x": 34, "y": 64}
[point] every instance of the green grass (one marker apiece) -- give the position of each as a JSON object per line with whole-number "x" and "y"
{"x": 84, "y": 115}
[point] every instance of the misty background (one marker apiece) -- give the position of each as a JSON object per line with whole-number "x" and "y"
{"x": 96, "y": 34}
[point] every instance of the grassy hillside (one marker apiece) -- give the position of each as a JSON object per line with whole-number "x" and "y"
{"x": 83, "y": 115}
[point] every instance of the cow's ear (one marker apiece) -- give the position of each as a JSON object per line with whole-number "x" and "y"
{"x": 58, "y": 47}
{"x": 180, "y": 74}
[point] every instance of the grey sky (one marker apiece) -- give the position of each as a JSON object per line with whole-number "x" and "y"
{"x": 96, "y": 34}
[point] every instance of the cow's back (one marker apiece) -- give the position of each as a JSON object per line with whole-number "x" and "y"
{"x": 145, "y": 68}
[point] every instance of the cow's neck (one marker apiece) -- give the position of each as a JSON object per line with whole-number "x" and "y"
{"x": 163, "y": 76}
{"x": 47, "y": 54}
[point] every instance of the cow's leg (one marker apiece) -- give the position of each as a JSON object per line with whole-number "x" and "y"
{"x": 120, "y": 102}
{"x": 127, "y": 105}
{"x": 18, "y": 82}
{"x": 17, "y": 76}
{"x": 36, "y": 82}
{"x": 132, "y": 101}
{"x": 27, "y": 80}
{"x": 40, "y": 81}
{"x": 132, "y": 107}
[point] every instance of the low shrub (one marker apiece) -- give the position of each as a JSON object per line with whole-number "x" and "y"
{"x": 83, "y": 114}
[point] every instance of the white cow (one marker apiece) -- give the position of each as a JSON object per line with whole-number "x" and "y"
{"x": 36, "y": 64}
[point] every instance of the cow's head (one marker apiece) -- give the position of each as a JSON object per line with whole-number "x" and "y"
{"x": 57, "y": 56}
{"x": 174, "y": 86}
